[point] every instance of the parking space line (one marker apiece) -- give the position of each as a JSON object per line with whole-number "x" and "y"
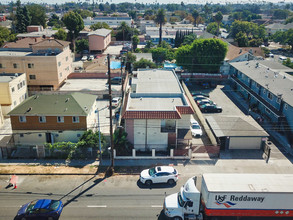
{"x": 97, "y": 206}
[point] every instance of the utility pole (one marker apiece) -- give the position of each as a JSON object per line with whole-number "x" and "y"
{"x": 111, "y": 170}
{"x": 122, "y": 79}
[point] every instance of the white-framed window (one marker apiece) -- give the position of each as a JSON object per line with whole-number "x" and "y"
{"x": 60, "y": 119}
{"x": 66, "y": 58}
{"x": 59, "y": 63}
{"x": 42, "y": 119}
{"x": 23, "y": 83}
{"x": 264, "y": 91}
{"x": 12, "y": 89}
{"x": 278, "y": 100}
{"x": 268, "y": 111}
{"x": 15, "y": 65}
{"x": 22, "y": 119}
{"x": 257, "y": 85}
{"x": 270, "y": 96}
{"x": 75, "y": 119}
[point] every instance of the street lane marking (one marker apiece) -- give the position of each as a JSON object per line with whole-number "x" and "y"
{"x": 97, "y": 206}
{"x": 156, "y": 206}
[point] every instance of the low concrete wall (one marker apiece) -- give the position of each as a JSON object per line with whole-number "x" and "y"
{"x": 154, "y": 155}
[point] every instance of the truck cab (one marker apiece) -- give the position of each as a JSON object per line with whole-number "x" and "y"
{"x": 185, "y": 204}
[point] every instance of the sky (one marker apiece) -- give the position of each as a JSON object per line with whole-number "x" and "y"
{"x": 152, "y": 1}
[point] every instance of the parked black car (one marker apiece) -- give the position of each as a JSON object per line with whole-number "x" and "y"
{"x": 116, "y": 80}
{"x": 210, "y": 108}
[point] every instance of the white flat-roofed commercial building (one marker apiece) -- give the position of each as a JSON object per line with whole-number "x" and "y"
{"x": 111, "y": 21}
{"x": 157, "y": 112}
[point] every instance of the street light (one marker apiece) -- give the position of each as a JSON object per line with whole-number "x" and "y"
{"x": 99, "y": 128}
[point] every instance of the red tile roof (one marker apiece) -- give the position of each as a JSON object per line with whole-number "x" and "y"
{"x": 151, "y": 115}
{"x": 184, "y": 110}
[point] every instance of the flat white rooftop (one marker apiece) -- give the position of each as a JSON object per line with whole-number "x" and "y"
{"x": 154, "y": 104}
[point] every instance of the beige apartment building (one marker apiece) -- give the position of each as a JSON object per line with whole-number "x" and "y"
{"x": 46, "y": 66}
{"x": 99, "y": 40}
{"x": 13, "y": 90}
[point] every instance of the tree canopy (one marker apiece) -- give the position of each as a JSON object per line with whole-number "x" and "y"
{"x": 202, "y": 56}
{"x": 284, "y": 37}
{"x": 38, "y": 15}
{"x": 61, "y": 34}
{"x": 100, "y": 25}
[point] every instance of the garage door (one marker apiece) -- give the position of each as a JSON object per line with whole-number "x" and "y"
{"x": 245, "y": 143}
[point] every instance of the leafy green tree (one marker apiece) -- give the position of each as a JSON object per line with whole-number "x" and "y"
{"x": 149, "y": 44}
{"x": 165, "y": 45}
{"x": 20, "y": 18}
{"x": 130, "y": 59}
{"x": 288, "y": 63}
{"x": 218, "y": 19}
{"x": 289, "y": 20}
{"x": 6, "y": 35}
{"x": 280, "y": 14}
{"x": 132, "y": 14}
{"x": 135, "y": 41}
{"x": 61, "y": 34}
{"x": 84, "y": 13}
{"x": 284, "y": 37}
{"x": 160, "y": 19}
{"x": 161, "y": 54}
{"x": 241, "y": 39}
{"x": 38, "y": 15}
{"x": 121, "y": 144}
{"x": 144, "y": 63}
{"x": 74, "y": 24}
{"x": 204, "y": 55}
{"x": 212, "y": 28}
{"x": 54, "y": 21}
{"x": 100, "y": 25}
{"x": 188, "y": 39}
{"x": 124, "y": 32}
{"x": 113, "y": 7}
{"x": 195, "y": 15}
{"x": 82, "y": 45}
{"x": 91, "y": 139}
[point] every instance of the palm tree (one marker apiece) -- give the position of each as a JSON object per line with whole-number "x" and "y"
{"x": 160, "y": 19}
{"x": 218, "y": 18}
{"x": 195, "y": 15}
{"x": 123, "y": 27}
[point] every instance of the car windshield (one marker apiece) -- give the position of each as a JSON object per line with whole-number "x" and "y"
{"x": 152, "y": 171}
{"x": 31, "y": 206}
{"x": 180, "y": 200}
{"x": 195, "y": 127}
{"x": 54, "y": 205}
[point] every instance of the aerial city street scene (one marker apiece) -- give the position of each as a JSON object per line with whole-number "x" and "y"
{"x": 135, "y": 110}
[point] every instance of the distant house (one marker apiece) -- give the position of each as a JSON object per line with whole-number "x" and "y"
{"x": 267, "y": 87}
{"x": 273, "y": 28}
{"x": 99, "y": 40}
{"x": 113, "y": 22}
{"x": 34, "y": 28}
{"x": 47, "y": 64}
{"x": 46, "y": 34}
{"x": 53, "y": 118}
{"x": 2, "y": 18}
{"x": 157, "y": 112}
{"x": 145, "y": 23}
{"x": 13, "y": 90}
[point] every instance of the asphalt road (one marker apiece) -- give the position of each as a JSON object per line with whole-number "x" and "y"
{"x": 88, "y": 197}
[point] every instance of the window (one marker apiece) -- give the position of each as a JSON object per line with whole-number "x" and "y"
{"x": 60, "y": 74}
{"x": 22, "y": 119}
{"x": 1, "y": 66}
{"x": 21, "y": 135}
{"x": 278, "y": 100}
{"x": 257, "y": 85}
{"x": 59, "y": 63}
{"x": 18, "y": 86}
{"x": 56, "y": 135}
{"x": 30, "y": 65}
{"x": 32, "y": 76}
{"x": 12, "y": 89}
{"x": 23, "y": 83}
{"x": 270, "y": 96}
{"x": 264, "y": 91}
{"x": 286, "y": 106}
{"x": 14, "y": 103}
{"x": 268, "y": 111}
{"x": 15, "y": 65}
{"x": 40, "y": 135}
{"x": 75, "y": 119}
{"x": 42, "y": 119}
{"x": 60, "y": 119}
{"x": 66, "y": 58}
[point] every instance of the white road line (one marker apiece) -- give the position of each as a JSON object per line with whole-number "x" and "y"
{"x": 97, "y": 206}
{"x": 156, "y": 206}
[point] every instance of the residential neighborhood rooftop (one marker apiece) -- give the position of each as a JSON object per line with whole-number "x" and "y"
{"x": 154, "y": 103}
{"x": 268, "y": 75}
{"x": 8, "y": 77}
{"x": 100, "y": 32}
{"x": 78, "y": 104}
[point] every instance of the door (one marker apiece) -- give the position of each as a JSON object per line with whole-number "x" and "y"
{"x": 48, "y": 138}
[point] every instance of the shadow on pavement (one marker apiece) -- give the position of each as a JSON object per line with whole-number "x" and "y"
{"x": 162, "y": 216}
{"x": 154, "y": 186}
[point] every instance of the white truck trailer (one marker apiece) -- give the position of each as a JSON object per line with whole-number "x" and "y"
{"x": 233, "y": 195}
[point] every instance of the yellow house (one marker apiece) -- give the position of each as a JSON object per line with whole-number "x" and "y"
{"x": 46, "y": 66}
{"x": 13, "y": 90}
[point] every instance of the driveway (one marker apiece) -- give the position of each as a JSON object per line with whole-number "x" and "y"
{"x": 113, "y": 50}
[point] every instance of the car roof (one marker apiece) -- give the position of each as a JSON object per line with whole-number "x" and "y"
{"x": 164, "y": 169}
{"x": 43, "y": 204}
{"x": 116, "y": 98}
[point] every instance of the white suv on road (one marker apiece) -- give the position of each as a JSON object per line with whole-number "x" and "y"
{"x": 159, "y": 174}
